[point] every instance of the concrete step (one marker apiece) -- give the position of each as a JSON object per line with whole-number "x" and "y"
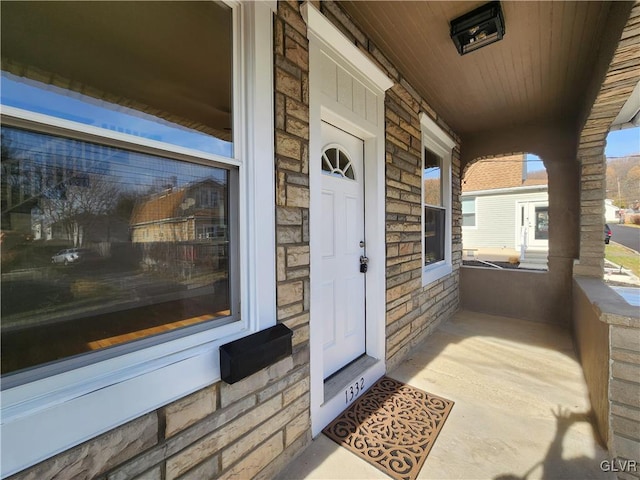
{"x": 534, "y": 260}
{"x": 535, "y": 257}
{"x": 533, "y": 266}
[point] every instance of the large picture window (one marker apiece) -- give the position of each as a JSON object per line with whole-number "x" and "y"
{"x": 436, "y": 201}
{"x": 136, "y": 137}
{"x": 97, "y": 238}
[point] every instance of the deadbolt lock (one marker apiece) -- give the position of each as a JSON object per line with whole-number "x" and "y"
{"x": 364, "y": 261}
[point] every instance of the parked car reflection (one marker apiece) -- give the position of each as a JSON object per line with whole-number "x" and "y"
{"x": 73, "y": 255}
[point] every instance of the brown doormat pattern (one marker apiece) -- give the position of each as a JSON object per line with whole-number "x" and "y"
{"x": 392, "y": 426}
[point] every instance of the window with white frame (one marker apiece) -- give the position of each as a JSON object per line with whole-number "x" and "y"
{"x": 468, "y": 211}
{"x": 436, "y": 201}
{"x": 132, "y": 214}
{"x": 125, "y": 172}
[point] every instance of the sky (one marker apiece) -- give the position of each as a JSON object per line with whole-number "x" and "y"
{"x": 620, "y": 143}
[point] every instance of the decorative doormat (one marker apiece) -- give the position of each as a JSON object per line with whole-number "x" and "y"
{"x": 392, "y": 426}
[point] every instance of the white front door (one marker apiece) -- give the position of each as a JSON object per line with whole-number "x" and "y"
{"x": 535, "y": 221}
{"x": 343, "y": 244}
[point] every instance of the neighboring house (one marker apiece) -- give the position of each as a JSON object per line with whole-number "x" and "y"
{"x": 194, "y": 216}
{"x": 320, "y": 121}
{"x": 193, "y": 212}
{"x": 611, "y": 212}
{"x": 505, "y": 210}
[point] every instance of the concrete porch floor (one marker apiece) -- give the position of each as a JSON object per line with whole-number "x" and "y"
{"x": 521, "y": 407}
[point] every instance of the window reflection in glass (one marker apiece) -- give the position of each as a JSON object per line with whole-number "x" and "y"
{"x": 432, "y": 178}
{"x": 434, "y": 234}
{"x": 542, "y": 223}
{"x": 434, "y": 213}
{"x": 157, "y": 70}
{"x": 102, "y": 246}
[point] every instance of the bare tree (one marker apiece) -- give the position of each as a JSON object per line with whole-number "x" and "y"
{"x": 78, "y": 202}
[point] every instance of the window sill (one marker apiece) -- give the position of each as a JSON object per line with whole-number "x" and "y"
{"x": 43, "y": 425}
{"x": 435, "y": 272}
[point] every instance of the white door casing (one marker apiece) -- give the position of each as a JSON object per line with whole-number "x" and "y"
{"x": 346, "y": 90}
{"x": 539, "y": 225}
{"x": 343, "y": 243}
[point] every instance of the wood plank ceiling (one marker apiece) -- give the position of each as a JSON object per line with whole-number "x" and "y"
{"x": 538, "y": 74}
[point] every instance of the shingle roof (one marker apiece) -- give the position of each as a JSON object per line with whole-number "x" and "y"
{"x": 161, "y": 207}
{"x": 501, "y": 172}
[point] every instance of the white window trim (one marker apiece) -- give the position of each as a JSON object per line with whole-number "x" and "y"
{"x": 48, "y": 416}
{"x": 440, "y": 143}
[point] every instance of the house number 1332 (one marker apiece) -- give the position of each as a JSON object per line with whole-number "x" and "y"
{"x": 353, "y": 390}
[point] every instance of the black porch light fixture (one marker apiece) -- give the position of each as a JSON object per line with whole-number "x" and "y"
{"x": 478, "y": 28}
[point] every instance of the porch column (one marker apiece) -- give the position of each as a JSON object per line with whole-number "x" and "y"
{"x": 593, "y": 167}
{"x": 564, "y": 224}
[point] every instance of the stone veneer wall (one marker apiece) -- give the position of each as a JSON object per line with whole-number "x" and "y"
{"x": 624, "y": 392}
{"x": 253, "y": 428}
{"x": 413, "y": 311}
{"x": 591, "y": 342}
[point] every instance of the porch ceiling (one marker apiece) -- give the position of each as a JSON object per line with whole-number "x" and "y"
{"x": 541, "y": 73}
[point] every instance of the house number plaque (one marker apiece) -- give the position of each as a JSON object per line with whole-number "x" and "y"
{"x": 353, "y": 390}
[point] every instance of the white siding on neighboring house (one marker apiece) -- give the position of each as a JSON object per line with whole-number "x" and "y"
{"x": 497, "y": 217}
{"x": 610, "y": 211}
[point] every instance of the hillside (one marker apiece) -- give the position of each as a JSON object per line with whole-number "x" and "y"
{"x": 623, "y": 180}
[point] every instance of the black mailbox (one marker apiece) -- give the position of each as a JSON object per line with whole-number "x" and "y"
{"x": 246, "y": 356}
